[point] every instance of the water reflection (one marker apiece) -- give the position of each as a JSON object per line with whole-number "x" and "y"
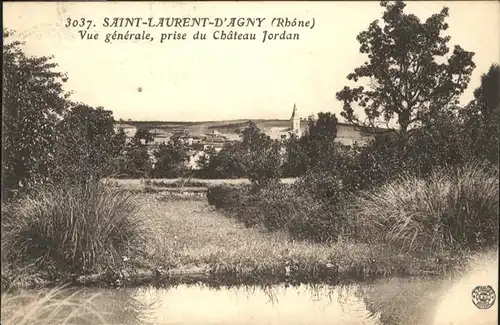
{"x": 404, "y": 301}
{"x": 253, "y": 305}
{"x": 388, "y": 302}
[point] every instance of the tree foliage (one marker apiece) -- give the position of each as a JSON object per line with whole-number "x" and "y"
{"x": 33, "y": 100}
{"x": 295, "y": 157}
{"x": 171, "y": 158}
{"x": 324, "y": 127}
{"x": 136, "y": 161}
{"x": 47, "y": 138}
{"x": 315, "y": 149}
{"x": 260, "y": 156}
{"x": 143, "y": 135}
{"x": 204, "y": 161}
{"x": 481, "y": 117}
{"x": 410, "y": 74}
{"x": 86, "y": 145}
{"x": 226, "y": 163}
{"x": 119, "y": 142}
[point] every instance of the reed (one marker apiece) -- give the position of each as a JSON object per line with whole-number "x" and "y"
{"x": 452, "y": 209}
{"x": 77, "y": 228}
{"x": 50, "y": 307}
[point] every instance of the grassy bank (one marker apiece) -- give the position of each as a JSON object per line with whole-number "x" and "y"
{"x": 196, "y": 235}
{"x": 176, "y": 241}
{"x": 448, "y": 212}
{"x": 105, "y": 235}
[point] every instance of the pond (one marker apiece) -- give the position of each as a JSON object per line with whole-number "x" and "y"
{"x": 389, "y": 301}
{"x": 237, "y": 305}
{"x": 385, "y": 302}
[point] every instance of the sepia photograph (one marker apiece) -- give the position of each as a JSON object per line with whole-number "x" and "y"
{"x": 250, "y": 163}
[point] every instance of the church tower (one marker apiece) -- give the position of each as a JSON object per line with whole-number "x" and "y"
{"x": 295, "y": 121}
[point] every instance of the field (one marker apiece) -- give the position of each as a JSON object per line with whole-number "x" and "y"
{"x": 201, "y": 244}
{"x": 187, "y": 182}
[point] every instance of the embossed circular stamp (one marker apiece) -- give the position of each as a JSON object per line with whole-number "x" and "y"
{"x": 483, "y": 297}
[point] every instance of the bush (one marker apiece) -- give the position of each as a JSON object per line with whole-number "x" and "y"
{"x": 452, "y": 208}
{"x": 325, "y": 186}
{"x": 226, "y": 196}
{"x": 241, "y": 202}
{"x": 279, "y": 207}
{"x": 75, "y": 228}
{"x": 369, "y": 166}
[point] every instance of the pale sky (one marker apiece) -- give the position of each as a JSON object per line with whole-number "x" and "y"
{"x": 215, "y": 80}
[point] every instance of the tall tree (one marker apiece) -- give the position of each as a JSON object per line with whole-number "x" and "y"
{"x": 481, "y": 117}
{"x": 143, "y": 135}
{"x": 227, "y": 163}
{"x": 324, "y": 127}
{"x": 85, "y": 144}
{"x": 410, "y": 74}
{"x": 136, "y": 162}
{"x": 119, "y": 142}
{"x": 316, "y": 148}
{"x": 204, "y": 162}
{"x": 260, "y": 156}
{"x": 33, "y": 100}
{"x": 171, "y": 158}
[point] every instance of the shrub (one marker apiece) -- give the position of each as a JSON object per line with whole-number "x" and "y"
{"x": 452, "y": 208}
{"x": 75, "y": 228}
{"x": 241, "y": 202}
{"x": 280, "y": 207}
{"x": 315, "y": 222}
{"x": 226, "y": 196}
{"x": 325, "y": 186}
{"x": 372, "y": 165}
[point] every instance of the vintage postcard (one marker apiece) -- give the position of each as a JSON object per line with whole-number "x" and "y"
{"x": 250, "y": 163}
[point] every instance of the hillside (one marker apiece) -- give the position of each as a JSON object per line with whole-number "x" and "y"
{"x": 227, "y": 126}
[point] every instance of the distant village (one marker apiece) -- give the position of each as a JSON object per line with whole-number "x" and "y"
{"x": 200, "y": 136}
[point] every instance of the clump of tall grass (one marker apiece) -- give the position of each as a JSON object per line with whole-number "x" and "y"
{"x": 76, "y": 228}
{"x": 453, "y": 208}
{"x": 49, "y": 308}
